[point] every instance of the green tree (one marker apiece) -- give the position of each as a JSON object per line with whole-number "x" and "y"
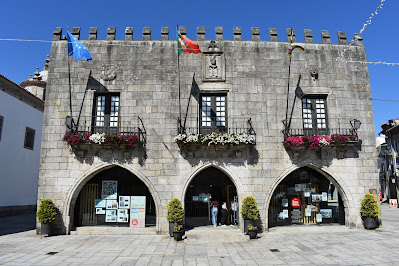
{"x": 249, "y": 210}
{"x": 369, "y": 207}
{"x": 47, "y": 211}
{"x": 175, "y": 212}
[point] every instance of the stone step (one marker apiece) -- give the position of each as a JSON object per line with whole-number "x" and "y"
{"x": 103, "y": 230}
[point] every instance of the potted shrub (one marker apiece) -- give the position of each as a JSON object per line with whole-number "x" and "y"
{"x": 178, "y": 232}
{"x": 175, "y": 214}
{"x": 249, "y": 212}
{"x": 370, "y": 211}
{"x": 252, "y": 231}
{"x": 46, "y": 214}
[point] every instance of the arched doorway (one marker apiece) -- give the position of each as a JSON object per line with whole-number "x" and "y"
{"x": 208, "y": 185}
{"x": 306, "y": 196}
{"x": 115, "y": 197}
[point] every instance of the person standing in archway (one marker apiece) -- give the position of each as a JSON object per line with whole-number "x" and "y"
{"x": 214, "y": 211}
{"x": 225, "y": 211}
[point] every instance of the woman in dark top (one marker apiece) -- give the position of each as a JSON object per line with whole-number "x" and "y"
{"x": 225, "y": 211}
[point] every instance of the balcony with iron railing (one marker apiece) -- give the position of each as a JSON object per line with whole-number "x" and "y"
{"x": 115, "y": 133}
{"x": 315, "y": 138}
{"x": 233, "y": 132}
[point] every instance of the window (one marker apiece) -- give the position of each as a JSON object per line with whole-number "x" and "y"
{"x": 29, "y": 138}
{"x": 213, "y": 113}
{"x": 106, "y": 113}
{"x": 1, "y": 125}
{"x": 314, "y": 115}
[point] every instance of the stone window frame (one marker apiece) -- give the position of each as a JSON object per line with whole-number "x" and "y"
{"x": 29, "y": 140}
{"x": 312, "y": 110}
{"x": 214, "y": 127}
{"x": 109, "y": 121}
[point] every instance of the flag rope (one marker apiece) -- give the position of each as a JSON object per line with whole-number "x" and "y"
{"x": 352, "y": 42}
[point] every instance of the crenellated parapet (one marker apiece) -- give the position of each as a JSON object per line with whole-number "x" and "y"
{"x": 237, "y": 34}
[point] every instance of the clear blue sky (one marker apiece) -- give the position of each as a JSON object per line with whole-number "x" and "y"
{"x": 36, "y": 20}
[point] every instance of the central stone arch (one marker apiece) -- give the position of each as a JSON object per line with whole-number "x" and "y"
{"x": 220, "y": 178}
{"x": 91, "y": 172}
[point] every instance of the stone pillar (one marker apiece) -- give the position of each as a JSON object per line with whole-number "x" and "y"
{"x": 147, "y": 34}
{"x": 290, "y": 32}
{"x": 273, "y": 35}
{"x": 308, "y": 36}
{"x": 255, "y": 34}
{"x": 237, "y": 33}
{"x": 129, "y": 33}
{"x": 219, "y": 33}
{"x": 111, "y": 33}
{"x": 93, "y": 33}
{"x": 164, "y": 33}
{"x": 342, "y": 37}
{"x": 200, "y": 33}
{"x": 76, "y": 32}
{"x": 57, "y": 34}
{"x": 325, "y": 37}
{"x": 183, "y": 30}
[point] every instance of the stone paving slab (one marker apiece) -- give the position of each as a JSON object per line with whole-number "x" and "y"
{"x": 212, "y": 246}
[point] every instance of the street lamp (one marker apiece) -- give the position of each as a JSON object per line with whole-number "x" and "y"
{"x": 355, "y": 126}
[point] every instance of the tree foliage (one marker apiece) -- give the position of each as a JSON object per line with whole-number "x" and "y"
{"x": 47, "y": 211}
{"x": 175, "y": 212}
{"x": 249, "y": 210}
{"x": 369, "y": 207}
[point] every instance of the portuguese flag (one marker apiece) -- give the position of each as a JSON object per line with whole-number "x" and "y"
{"x": 186, "y": 46}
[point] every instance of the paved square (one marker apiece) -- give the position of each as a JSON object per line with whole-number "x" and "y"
{"x": 301, "y": 245}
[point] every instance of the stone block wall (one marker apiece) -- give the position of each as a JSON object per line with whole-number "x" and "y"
{"x": 144, "y": 72}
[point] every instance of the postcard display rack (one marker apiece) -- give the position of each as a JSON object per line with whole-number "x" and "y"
{"x": 122, "y": 209}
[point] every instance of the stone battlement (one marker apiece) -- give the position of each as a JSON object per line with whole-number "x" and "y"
{"x": 255, "y": 33}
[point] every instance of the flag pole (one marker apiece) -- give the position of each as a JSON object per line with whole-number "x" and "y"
{"x": 288, "y": 93}
{"x": 178, "y": 78}
{"x": 69, "y": 79}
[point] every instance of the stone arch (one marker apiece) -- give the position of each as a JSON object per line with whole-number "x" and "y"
{"x": 346, "y": 195}
{"x": 235, "y": 180}
{"x": 231, "y": 175}
{"x": 77, "y": 186}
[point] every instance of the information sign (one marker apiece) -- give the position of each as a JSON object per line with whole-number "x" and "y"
{"x": 137, "y": 211}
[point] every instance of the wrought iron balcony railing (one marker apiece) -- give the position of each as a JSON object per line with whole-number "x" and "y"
{"x": 111, "y": 126}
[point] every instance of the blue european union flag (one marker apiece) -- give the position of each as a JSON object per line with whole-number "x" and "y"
{"x": 77, "y": 49}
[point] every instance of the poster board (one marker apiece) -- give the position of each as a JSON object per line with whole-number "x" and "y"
{"x": 110, "y": 216}
{"x": 109, "y": 189}
{"x": 137, "y": 211}
{"x": 393, "y": 203}
{"x": 112, "y": 204}
{"x": 123, "y": 215}
{"x": 124, "y": 202}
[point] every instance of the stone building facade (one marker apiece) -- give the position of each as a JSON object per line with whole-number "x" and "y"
{"x": 235, "y": 86}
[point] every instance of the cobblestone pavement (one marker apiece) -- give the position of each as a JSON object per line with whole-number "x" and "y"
{"x": 302, "y": 245}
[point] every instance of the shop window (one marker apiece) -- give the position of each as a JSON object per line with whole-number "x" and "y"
{"x": 106, "y": 113}
{"x": 213, "y": 113}
{"x": 306, "y": 197}
{"x": 314, "y": 115}
{"x": 1, "y": 125}
{"x": 29, "y": 138}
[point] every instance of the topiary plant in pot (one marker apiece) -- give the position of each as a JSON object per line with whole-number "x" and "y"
{"x": 370, "y": 210}
{"x": 252, "y": 231}
{"x": 249, "y": 212}
{"x": 175, "y": 214}
{"x": 46, "y": 214}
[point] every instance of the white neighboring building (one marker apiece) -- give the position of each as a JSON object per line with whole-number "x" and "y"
{"x": 21, "y": 120}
